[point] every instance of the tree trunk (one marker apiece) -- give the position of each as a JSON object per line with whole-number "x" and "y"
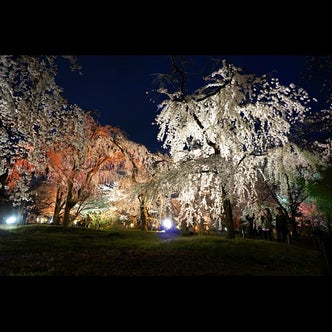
{"x": 143, "y": 213}
{"x": 69, "y": 205}
{"x": 200, "y": 226}
{"x": 57, "y": 208}
{"x": 229, "y": 218}
{"x": 22, "y": 214}
{"x": 293, "y": 222}
{"x": 144, "y": 218}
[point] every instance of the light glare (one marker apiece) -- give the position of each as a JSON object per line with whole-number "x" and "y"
{"x": 167, "y": 223}
{"x": 11, "y": 220}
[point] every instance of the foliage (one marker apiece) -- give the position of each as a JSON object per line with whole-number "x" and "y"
{"x": 226, "y": 139}
{"x": 33, "y": 116}
{"x": 228, "y": 134}
{"x": 320, "y": 189}
{"x": 58, "y": 155}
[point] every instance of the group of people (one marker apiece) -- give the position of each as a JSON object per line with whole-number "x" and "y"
{"x": 265, "y": 226}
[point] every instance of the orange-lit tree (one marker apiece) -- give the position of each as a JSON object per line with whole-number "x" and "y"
{"x": 80, "y": 166}
{"x": 75, "y": 162}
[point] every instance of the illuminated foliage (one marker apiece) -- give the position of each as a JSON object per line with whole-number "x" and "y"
{"x": 227, "y": 135}
{"x": 33, "y": 117}
{"x": 321, "y": 190}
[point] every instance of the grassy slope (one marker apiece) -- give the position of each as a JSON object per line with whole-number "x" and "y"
{"x": 43, "y": 250}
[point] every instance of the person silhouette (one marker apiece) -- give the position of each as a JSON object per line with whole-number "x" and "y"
{"x": 281, "y": 225}
{"x": 266, "y": 219}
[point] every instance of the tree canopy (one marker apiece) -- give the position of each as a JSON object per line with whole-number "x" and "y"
{"x": 228, "y": 141}
{"x": 227, "y": 134}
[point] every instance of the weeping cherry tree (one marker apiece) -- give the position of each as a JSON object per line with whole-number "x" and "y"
{"x": 224, "y": 136}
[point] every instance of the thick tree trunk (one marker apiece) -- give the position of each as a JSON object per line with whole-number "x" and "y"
{"x": 143, "y": 213}
{"x": 66, "y": 216}
{"x": 23, "y": 214}
{"x": 69, "y": 205}
{"x": 144, "y": 218}
{"x": 57, "y": 208}
{"x": 229, "y": 218}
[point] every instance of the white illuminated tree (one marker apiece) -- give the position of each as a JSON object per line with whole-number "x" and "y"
{"x": 225, "y": 136}
{"x": 33, "y": 116}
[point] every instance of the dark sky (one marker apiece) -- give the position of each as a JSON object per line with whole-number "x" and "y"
{"x": 116, "y": 86}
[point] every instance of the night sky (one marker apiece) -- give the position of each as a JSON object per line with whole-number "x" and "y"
{"x": 116, "y": 86}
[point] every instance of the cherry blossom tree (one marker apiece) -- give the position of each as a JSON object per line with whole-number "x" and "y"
{"x": 140, "y": 167}
{"x": 81, "y": 167}
{"x": 42, "y": 134}
{"x": 227, "y": 135}
{"x": 33, "y": 117}
{"x": 69, "y": 168}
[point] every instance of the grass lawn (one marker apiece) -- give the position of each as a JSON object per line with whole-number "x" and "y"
{"x": 46, "y": 250}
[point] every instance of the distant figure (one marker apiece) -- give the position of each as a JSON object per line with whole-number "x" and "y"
{"x": 191, "y": 228}
{"x": 281, "y": 225}
{"x": 266, "y": 219}
{"x": 258, "y": 233}
{"x": 250, "y": 229}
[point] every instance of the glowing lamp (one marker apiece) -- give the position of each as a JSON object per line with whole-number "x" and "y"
{"x": 167, "y": 223}
{"x": 11, "y": 220}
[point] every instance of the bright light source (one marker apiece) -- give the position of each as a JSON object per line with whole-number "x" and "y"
{"x": 11, "y": 220}
{"x": 167, "y": 223}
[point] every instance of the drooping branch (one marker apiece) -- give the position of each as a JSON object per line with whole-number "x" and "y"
{"x": 209, "y": 142}
{"x": 181, "y": 74}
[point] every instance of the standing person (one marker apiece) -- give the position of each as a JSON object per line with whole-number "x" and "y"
{"x": 258, "y": 227}
{"x": 281, "y": 225}
{"x": 266, "y": 220}
{"x": 250, "y": 228}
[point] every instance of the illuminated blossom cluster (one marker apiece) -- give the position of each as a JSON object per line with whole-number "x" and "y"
{"x": 229, "y": 135}
{"x": 33, "y": 115}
